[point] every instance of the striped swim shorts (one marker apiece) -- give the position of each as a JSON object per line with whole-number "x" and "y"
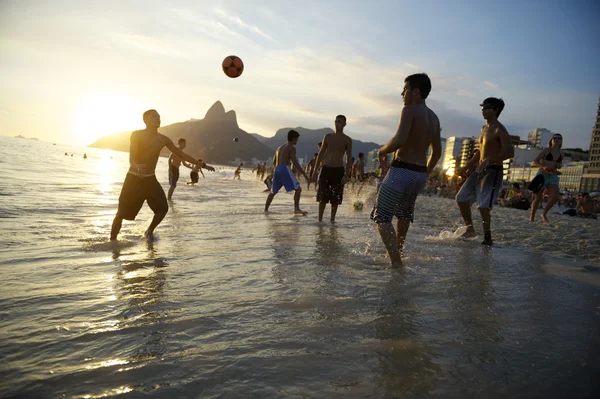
{"x": 398, "y": 192}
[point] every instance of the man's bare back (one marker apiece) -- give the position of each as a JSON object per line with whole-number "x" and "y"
{"x": 424, "y": 130}
{"x": 145, "y": 147}
{"x": 286, "y": 155}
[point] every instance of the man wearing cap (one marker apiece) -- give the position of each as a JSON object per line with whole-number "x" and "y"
{"x": 485, "y": 169}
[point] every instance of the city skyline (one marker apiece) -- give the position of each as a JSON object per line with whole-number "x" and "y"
{"x": 74, "y": 72}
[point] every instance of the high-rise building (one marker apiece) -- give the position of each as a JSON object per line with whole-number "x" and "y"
{"x": 468, "y": 147}
{"x": 539, "y": 137}
{"x": 590, "y": 181}
{"x": 438, "y": 165}
{"x": 452, "y": 154}
{"x": 571, "y": 176}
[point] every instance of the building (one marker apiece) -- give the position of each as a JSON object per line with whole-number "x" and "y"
{"x": 539, "y": 137}
{"x": 576, "y": 154}
{"x": 452, "y": 154}
{"x": 468, "y": 147}
{"x": 520, "y": 174}
{"x": 590, "y": 181}
{"x": 571, "y": 176}
{"x": 372, "y": 161}
{"x": 523, "y": 158}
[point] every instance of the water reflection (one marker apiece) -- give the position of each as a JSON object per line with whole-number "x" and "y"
{"x": 284, "y": 240}
{"x": 405, "y": 365}
{"x": 140, "y": 285}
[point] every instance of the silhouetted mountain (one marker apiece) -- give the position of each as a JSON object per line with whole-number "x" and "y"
{"x": 307, "y": 144}
{"x": 260, "y": 138}
{"x": 210, "y": 138}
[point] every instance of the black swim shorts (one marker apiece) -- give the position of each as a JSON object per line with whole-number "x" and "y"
{"x": 135, "y": 191}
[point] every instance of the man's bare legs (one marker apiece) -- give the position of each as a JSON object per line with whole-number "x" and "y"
{"x": 552, "y": 199}
{"x": 333, "y": 212}
{"x": 158, "y": 217}
{"x": 116, "y": 227}
{"x": 321, "y": 210}
{"x": 388, "y": 236}
{"x": 269, "y": 200}
{"x": 171, "y": 190}
{"x": 535, "y": 205}
{"x": 487, "y": 225}
{"x": 297, "y": 209}
{"x": 465, "y": 211}
{"x": 402, "y": 229}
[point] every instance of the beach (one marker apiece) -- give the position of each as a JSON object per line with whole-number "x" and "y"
{"x": 230, "y": 302}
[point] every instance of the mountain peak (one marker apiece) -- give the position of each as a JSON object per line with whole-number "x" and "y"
{"x": 215, "y": 111}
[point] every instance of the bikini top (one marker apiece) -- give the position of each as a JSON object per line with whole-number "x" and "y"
{"x": 549, "y": 157}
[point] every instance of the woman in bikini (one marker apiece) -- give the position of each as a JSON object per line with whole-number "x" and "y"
{"x": 549, "y": 160}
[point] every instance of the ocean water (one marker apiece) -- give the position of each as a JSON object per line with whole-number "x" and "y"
{"x": 228, "y": 302}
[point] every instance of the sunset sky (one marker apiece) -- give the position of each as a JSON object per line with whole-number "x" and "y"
{"x": 73, "y": 71}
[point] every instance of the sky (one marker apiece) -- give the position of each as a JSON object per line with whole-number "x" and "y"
{"x": 74, "y": 71}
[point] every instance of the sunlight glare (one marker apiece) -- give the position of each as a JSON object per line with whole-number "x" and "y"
{"x": 103, "y": 113}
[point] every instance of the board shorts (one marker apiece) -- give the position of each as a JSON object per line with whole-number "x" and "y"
{"x": 549, "y": 179}
{"x": 398, "y": 192}
{"x": 138, "y": 189}
{"x": 194, "y": 177}
{"x": 331, "y": 185}
{"x": 283, "y": 177}
{"x": 482, "y": 188}
{"x": 173, "y": 175}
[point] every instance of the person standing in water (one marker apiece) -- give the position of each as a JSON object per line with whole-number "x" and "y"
{"x": 283, "y": 176}
{"x": 419, "y": 129}
{"x": 140, "y": 183}
{"x": 333, "y": 175}
{"x": 174, "y": 164}
{"x": 548, "y": 160}
{"x": 310, "y": 168}
{"x": 237, "y": 172}
{"x": 194, "y": 177}
{"x": 484, "y": 181}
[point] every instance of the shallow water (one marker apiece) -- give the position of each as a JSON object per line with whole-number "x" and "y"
{"x": 230, "y": 302}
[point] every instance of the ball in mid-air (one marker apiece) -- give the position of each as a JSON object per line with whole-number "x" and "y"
{"x": 236, "y": 139}
{"x": 233, "y": 66}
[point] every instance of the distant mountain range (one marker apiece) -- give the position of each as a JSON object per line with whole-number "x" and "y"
{"x": 23, "y": 137}
{"x": 212, "y": 139}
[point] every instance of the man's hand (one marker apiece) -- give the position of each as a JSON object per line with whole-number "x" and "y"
{"x": 482, "y": 167}
{"x": 381, "y": 156}
{"x": 205, "y": 166}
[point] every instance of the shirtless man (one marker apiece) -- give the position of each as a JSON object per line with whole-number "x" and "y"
{"x": 310, "y": 168}
{"x": 333, "y": 175}
{"x": 586, "y": 207}
{"x": 238, "y": 171}
{"x": 418, "y": 130}
{"x": 485, "y": 169}
{"x": 283, "y": 176}
{"x": 140, "y": 183}
{"x": 174, "y": 164}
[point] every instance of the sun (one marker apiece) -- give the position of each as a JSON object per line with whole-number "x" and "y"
{"x": 102, "y": 113}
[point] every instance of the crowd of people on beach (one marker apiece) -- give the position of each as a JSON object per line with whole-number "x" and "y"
{"x": 398, "y": 184}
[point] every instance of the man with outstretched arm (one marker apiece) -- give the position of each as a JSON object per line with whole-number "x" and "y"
{"x": 140, "y": 183}
{"x": 419, "y": 129}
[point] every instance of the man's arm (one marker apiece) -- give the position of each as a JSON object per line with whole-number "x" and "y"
{"x": 296, "y": 163}
{"x": 320, "y": 156}
{"x": 406, "y": 118}
{"x": 177, "y": 152}
{"x": 133, "y": 149}
{"x": 349, "y": 165}
{"x": 436, "y": 151}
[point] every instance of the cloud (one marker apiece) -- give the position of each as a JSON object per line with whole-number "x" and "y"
{"x": 239, "y": 22}
{"x": 153, "y": 45}
{"x": 490, "y": 84}
{"x": 411, "y": 66}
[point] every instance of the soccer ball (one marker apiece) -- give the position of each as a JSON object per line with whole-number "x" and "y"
{"x": 233, "y": 66}
{"x": 358, "y": 205}
{"x": 236, "y": 139}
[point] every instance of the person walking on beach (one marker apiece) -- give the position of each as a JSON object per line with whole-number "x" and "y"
{"x": 140, "y": 183}
{"x": 419, "y": 129}
{"x": 283, "y": 176}
{"x": 484, "y": 183}
{"x": 549, "y": 161}
{"x": 333, "y": 175}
